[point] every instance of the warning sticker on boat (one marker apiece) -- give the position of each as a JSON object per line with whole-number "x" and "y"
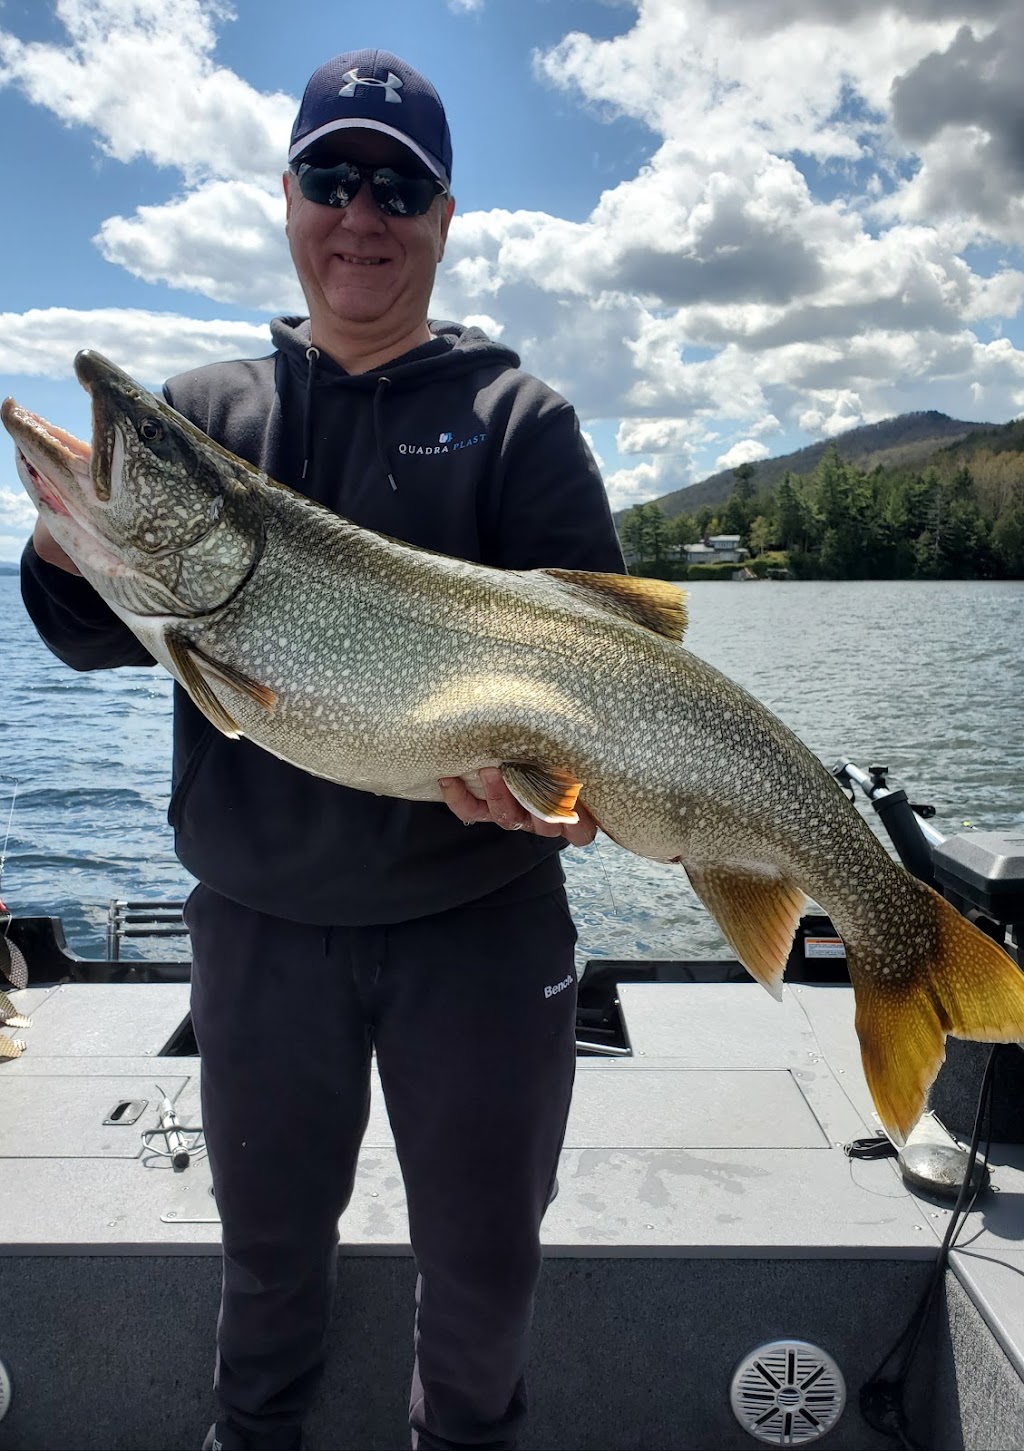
{"x": 824, "y": 947}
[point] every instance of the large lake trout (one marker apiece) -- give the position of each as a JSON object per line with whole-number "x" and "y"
{"x": 384, "y": 668}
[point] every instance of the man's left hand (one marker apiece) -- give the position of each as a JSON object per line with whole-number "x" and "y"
{"x": 502, "y": 809}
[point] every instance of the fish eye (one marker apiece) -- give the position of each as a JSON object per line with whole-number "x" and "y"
{"x": 150, "y": 430}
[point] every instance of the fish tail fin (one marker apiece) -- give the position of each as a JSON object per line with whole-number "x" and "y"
{"x": 936, "y": 974}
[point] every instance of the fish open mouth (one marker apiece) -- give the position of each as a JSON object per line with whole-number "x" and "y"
{"x": 45, "y": 492}
{"x": 45, "y": 453}
{"x": 49, "y": 435}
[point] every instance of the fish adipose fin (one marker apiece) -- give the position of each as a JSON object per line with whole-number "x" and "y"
{"x": 939, "y": 975}
{"x": 757, "y": 911}
{"x": 190, "y": 664}
{"x": 545, "y": 791}
{"x": 653, "y": 603}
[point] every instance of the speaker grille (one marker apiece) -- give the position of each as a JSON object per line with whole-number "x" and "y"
{"x": 787, "y": 1393}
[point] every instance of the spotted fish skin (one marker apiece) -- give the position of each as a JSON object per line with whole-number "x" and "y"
{"x": 384, "y": 667}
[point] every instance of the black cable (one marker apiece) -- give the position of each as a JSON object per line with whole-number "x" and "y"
{"x": 878, "y": 1146}
{"x": 881, "y": 1398}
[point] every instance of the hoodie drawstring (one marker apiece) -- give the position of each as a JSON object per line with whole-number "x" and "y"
{"x": 312, "y": 357}
{"x": 383, "y": 384}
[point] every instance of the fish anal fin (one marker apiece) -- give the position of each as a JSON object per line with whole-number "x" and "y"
{"x": 185, "y": 659}
{"x": 654, "y": 603}
{"x": 940, "y": 975}
{"x": 546, "y": 791}
{"x": 757, "y": 910}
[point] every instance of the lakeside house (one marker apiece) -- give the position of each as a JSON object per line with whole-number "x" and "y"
{"x": 715, "y": 549}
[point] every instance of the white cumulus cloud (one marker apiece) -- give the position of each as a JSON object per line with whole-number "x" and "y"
{"x": 745, "y": 451}
{"x": 810, "y": 241}
{"x": 206, "y": 120}
{"x": 17, "y": 518}
{"x": 224, "y": 240}
{"x": 149, "y": 345}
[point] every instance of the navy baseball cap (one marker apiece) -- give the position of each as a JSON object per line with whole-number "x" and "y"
{"x": 373, "y": 90}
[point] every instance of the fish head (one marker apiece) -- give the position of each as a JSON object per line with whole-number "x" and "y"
{"x": 158, "y": 517}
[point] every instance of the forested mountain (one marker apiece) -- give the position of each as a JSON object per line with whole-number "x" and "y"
{"x": 911, "y": 509}
{"x": 909, "y": 439}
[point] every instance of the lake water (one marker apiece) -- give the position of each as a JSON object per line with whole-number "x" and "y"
{"x": 925, "y": 677}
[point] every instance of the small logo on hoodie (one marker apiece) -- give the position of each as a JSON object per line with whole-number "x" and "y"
{"x": 446, "y": 443}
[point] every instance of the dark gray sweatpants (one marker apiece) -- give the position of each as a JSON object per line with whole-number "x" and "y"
{"x": 476, "y": 1063}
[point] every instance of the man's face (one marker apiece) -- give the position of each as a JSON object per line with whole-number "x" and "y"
{"x": 364, "y": 272}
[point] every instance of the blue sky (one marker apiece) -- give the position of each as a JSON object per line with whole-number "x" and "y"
{"x": 723, "y": 228}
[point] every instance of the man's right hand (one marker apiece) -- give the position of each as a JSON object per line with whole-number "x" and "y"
{"x": 48, "y": 549}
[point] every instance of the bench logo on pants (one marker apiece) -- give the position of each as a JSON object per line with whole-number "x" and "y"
{"x": 558, "y": 987}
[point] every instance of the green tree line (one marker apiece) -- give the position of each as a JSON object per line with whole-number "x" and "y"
{"x": 951, "y": 520}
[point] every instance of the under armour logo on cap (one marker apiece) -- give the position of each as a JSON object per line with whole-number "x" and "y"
{"x": 352, "y": 78}
{"x": 374, "y": 90}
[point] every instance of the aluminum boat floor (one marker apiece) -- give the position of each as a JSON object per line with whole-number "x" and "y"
{"x": 723, "y": 1133}
{"x": 720, "y": 1139}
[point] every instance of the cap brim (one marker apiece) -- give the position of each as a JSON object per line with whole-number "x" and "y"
{"x": 362, "y": 123}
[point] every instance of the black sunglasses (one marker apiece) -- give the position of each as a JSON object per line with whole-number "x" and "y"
{"x": 396, "y": 193}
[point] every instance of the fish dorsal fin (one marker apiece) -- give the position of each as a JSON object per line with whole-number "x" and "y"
{"x": 757, "y": 911}
{"x": 545, "y": 791}
{"x": 192, "y": 665}
{"x": 654, "y": 603}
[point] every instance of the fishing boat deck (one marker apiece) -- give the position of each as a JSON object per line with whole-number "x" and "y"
{"x": 705, "y": 1205}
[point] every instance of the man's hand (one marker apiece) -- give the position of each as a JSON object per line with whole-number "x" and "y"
{"x": 502, "y": 809}
{"x": 47, "y": 548}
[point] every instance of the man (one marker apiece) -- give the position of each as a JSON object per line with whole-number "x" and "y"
{"x": 384, "y": 923}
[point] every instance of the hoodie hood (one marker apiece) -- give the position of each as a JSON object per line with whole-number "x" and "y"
{"x": 463, "y": 348}
{"x": 453, "y": 349}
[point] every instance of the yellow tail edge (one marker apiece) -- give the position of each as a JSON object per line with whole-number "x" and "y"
{"x": 941, "y": 975}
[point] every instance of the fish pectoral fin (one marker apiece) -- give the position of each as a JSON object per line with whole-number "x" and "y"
{"x": 758, "y": 912}
{"x": 938, "y": 974}
{"x": 192, "y": 665}
{"x": 654, "y": 603}
{"x": 545, "y": 791}
{"x": 184, "y": 657}
{"x": 261, "y": 694}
